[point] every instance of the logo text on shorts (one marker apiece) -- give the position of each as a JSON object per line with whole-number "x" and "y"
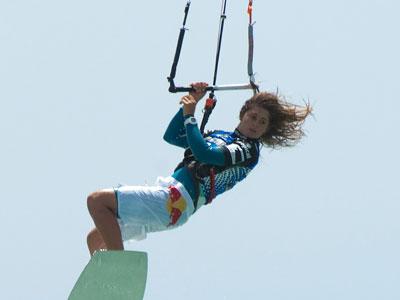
{"x": 176, "y": 205}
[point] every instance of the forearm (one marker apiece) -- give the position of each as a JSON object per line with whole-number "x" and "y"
{"x": 200, "y": 149}
{"x": 176, "y": 132}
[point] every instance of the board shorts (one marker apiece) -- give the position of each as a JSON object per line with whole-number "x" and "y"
{"x": 143, "y": 209}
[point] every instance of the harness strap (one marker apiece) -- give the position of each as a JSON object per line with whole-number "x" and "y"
{"x": 208, "y": 108}
{"x": 197, "y": 181}
{"x": 213, "y": 192}
{"x": 196, "y": 185}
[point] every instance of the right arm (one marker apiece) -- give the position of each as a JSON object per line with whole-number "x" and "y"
{"x": 201, "y": 150}
{"x": 176, "y": 131}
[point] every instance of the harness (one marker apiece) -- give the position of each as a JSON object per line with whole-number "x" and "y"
{"x": 199, "y": 171}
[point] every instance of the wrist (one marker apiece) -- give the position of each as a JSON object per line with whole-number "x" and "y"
{"x": 188, "y": 111}
{"x": 190, "y": 120}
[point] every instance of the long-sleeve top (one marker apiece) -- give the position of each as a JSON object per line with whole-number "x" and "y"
{"x": 231, "y": 154}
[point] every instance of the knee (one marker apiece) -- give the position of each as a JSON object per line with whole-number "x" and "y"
{"x": 92, "y": 236}
{"x": 100, "y": 201}
{"x": 93, "y": 202}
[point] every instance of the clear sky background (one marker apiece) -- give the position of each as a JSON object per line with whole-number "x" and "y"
{"x": 84, "y": 105}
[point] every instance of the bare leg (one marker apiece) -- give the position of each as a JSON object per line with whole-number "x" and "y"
{"x": 102, "y": 207}
{"x": 95, "y": 241}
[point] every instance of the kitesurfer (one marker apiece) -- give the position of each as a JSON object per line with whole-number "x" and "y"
{"x": 213, "y": 163}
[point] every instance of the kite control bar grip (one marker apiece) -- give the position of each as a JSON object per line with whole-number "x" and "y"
{"x": 188, "y": 89}
{"x": 230, "y": 87}
{"x": 173, "y": 89}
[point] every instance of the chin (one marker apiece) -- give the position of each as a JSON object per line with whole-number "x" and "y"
{"x": 252, "y": 136}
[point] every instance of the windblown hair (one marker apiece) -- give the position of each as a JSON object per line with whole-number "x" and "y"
{"x": 286, "y": 119}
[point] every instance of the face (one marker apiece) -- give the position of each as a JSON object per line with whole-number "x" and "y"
{"x": 254, "y": 122}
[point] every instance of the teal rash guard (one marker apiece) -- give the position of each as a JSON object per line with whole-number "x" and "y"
{"x": 231, "y": 154}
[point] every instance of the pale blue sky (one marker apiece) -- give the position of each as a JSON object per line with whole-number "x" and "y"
{"x": 84, "y": 105}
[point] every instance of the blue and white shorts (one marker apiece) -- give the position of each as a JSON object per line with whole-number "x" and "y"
{"x": 143, "y": 209}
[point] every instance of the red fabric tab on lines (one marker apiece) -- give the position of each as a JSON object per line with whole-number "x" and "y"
{"x": 210, "y": 103}
{"x": 250, "y": 11}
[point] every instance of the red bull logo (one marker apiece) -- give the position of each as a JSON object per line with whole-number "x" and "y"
{"x": 176, "y": 205}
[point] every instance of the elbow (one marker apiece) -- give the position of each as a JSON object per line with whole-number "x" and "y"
{"x": 200, "y": 157}
{"x": 208, "y": 157}
{"x": 170, "y": 140}
{"x": 167, "y": 137}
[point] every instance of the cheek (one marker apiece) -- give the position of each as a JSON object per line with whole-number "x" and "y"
{"x": 264, "y": 128}
{"x": 246, "y": 120}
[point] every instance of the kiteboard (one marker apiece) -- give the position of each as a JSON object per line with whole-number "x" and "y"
{"x": 119, "y": 275}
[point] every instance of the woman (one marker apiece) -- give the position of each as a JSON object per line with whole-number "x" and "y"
{"x": 213, "y": 164}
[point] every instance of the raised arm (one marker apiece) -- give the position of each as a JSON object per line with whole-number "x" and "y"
{"x": 202, "y": 151}
{"x": 176, "y": 132}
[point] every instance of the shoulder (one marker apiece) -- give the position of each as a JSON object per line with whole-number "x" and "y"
{"x": 233, "y": 139}
{"x": 242, "y": 151}
{"x": 219, "y": 138}
{"x": 218, "y": 133}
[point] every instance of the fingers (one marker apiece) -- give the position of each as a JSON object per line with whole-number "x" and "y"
{"x": 199, "y": 90}
{"x": 187, "y": 99}
{"x": 189, "y": 104}
{"x": 199, "y": 87}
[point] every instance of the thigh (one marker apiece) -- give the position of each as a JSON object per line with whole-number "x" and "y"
{"x": 105, "y": 198}
{"x": 143, "y": 204}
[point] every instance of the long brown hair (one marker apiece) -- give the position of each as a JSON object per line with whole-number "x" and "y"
{"x": 286, "y": 119}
